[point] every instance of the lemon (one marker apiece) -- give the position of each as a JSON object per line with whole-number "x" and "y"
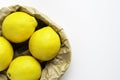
{"x": 6, "y": 53}
{"x": 44, "y": 44}
{"x": 18, "y": 26}
{"x": 24, "y": 68}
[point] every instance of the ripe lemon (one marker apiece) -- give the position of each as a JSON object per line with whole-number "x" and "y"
{"x": 18, "y": 26}
{"x": 44, "y": 44}
{"x": 6, "y": 53}
{"x": 24, "y": 68}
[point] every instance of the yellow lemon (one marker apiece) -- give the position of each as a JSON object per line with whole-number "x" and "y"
{"x": 6, "y": 53}
{"x": 18, "y": 26}
{"x": 44, "y": 44}
{"x": 24, "y": 68}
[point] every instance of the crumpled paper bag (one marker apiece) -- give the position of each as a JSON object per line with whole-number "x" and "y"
{"x": 53, "y": 69}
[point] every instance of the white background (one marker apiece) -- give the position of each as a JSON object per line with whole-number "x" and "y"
{"x": 93, "y": 29}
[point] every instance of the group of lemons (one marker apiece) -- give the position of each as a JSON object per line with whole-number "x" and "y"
{"x": 43, "y": 44}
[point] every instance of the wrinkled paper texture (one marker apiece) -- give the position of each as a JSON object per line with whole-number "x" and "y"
{"x": 54, "y": 68}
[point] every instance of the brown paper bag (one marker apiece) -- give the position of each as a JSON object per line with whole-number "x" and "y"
{"x": 53, "y": 69}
